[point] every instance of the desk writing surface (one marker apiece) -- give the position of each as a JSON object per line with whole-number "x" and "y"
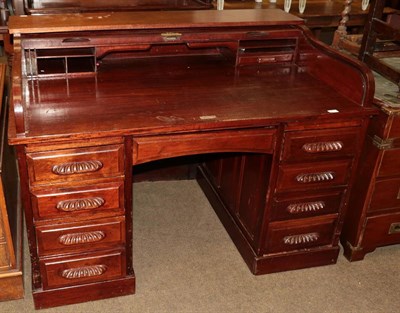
{"x": 149, "y": 95}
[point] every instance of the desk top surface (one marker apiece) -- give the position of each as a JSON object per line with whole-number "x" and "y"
{"x": 151, "y": 96}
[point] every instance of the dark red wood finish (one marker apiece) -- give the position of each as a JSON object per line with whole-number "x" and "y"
{"x": 374, "y": 218}
{"x": 263, "y": 107}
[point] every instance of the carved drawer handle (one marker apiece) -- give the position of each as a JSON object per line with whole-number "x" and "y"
{"x": 394, "y": 228}
{"x": 305, "y": 207}
{"x": 81, "y": 238}
{"x": 77, "y": 167}
{"x": 329, "y": 146}
{"x": 315, "y": 177}
{"x": 85, "y": 271}
{"x": 300, "y": 239}
{"x": 80, "y": 204}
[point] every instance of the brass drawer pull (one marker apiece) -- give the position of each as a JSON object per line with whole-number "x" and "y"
{"x": 300, "y": 239}
{"x": 77, "y": 167}
{"x": 305, "y": 207}
{"x": 85, "y": 271}
{"x": 394, "y": 228}
{"x": 329, "y": 146}
{"x": 266, "y": 59}
{"x": 80, "y": 204}
{"x": 171, "y": 36}
{"x": 315, "y": 177}
{"x": 81, "y": 238}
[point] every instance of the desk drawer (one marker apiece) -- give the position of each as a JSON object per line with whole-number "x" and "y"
{"x": 91, "y": 201}
{"x": 386, "y": 195}
{"x": 313, "y": 145}
{"x": 265, "y": 58}
{"x": 75, "y": 164}
{"x": 299, "y": 234}
{"x": 382, "y": 230}
{"x": 390, "y": 165}
{"x": 294, "y": 206}
{"x": 314, "y": 175}
{"x": 83, "y": 236}
{"x": 82, "y": 269}
{"x": 147, "y": 149}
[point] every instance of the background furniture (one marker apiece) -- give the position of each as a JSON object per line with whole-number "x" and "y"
{"x": 373, "y": 219}
{"x": 380, "y": 42}
{"x": 11, "y": 276}
{"x": 71, "y": 6}
{"x": 349, "y": 38}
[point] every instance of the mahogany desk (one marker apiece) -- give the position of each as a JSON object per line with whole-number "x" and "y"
{"x": 277, "y": 117}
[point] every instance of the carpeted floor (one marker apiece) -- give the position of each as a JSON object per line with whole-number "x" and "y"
{"x": 185, "y": 262}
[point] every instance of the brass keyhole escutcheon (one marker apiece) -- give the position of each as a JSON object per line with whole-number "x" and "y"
{"x": 394, "y": 228}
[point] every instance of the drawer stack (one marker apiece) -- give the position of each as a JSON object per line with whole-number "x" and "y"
{"x": 313, "y": 176}
{"x": 285, "y": 211}
{"x": 77, "y": 201}
{"x": 375, "y": 221}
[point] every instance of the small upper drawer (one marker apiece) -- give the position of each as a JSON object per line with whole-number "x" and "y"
{"x": 83, "y": 236}
{"x": 390, "y": 165}
{"x": 314, "y": 175}
{"x": 299, "y": 234}
{"x": 75, "y": 164}
{"x": 298, "y": 205}
{"x": 80, "y": 269}
{"x": 90, "y": 201}
{"x": 265, "y": 58}
{"x": 311, "y": 145}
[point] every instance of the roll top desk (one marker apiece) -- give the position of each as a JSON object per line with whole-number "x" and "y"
{"x": 277, "y": 118}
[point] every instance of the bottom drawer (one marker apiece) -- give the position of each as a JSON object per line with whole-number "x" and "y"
{"x": 382, "y": 230}
{"x": 82, "y": 269}
{"x": 299, "y": 234}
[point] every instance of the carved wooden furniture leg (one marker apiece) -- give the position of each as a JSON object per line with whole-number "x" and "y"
{"x": 342, "y": 28}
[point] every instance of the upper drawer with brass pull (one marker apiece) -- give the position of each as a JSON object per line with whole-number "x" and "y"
{"x": 312, "y": 145}
{"x": 75, "y": 164}
{"x": 90, "y": 201}
{"x": 315, "y": 175}
{"x": 83, "y": 236}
